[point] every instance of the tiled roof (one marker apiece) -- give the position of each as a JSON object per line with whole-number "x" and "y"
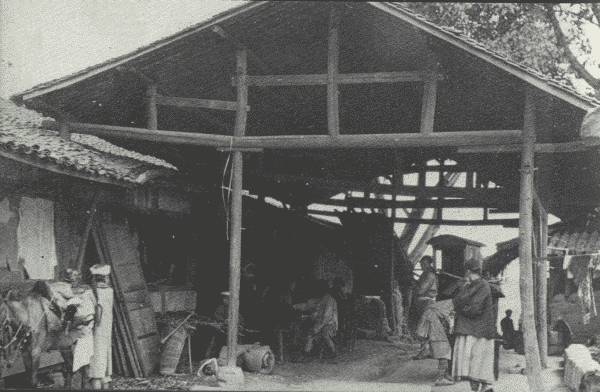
{"x": 447, "y": 31}
{"x": 23, "y": 137}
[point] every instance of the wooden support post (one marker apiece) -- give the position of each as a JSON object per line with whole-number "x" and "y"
{"x": 429, "y": 96}
{"x": 151, "y": 108}
{"x": 469, "y": 179}
{"x": 235, "y": 238}
{"x": 542, "y": 280}
{"x": 532, "y": 353}
{"x": 333, "y": 104}
{"x": 397, "y": 179}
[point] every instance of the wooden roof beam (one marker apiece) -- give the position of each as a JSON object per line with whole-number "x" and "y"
{"x": 339, "y": 186}
{"x": 443, "y": 222}
{"x": 342, "y": 78}
{"x": 586, "y": 144}
{"x": 214, "y": 104}
{"x": 314, "y": 142}
{"x": 418, "y": 203}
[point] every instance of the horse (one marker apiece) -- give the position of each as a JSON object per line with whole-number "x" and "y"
{"x": 32, "y": 324}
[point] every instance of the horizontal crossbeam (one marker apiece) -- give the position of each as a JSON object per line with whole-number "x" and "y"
{"x": 342, "y": 185}
{"x": 314, "y": 142}
{"x": 344, "y": 78}
{"x": 586, "y": 144}
{"x": 443, "y": 222}
{"x": 197, "y": 103}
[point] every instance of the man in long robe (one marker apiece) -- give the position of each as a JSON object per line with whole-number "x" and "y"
{"x": 475, "y": 330}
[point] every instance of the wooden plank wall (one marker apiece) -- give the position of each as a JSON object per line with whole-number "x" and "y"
{"x": 120, "y": 244}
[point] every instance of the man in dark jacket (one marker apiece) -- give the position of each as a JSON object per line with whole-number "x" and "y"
{"x": 475, "y": 330}
{"x": 508, "y": 330}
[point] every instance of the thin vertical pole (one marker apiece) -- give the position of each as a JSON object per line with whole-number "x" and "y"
{"x": 333, "y": 104}
{"x": 151, "y": 109}
{"x": 532, "y": 353}
{"x": 542, "y": 281}
{"x": 397, "y": 180}
{"x": 235, "y": 239}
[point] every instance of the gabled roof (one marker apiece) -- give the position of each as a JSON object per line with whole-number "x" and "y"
{"x": 24, "y": 138}
{"x": 456, "y": 38}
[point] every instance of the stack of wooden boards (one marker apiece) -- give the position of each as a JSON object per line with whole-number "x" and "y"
{"x": 136, "y": 342}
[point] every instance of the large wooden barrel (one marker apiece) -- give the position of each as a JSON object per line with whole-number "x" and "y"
{"x": 259, "y": 359}
{"x": 171, "y": 352}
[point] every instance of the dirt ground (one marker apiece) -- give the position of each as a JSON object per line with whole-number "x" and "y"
{"x": 372, "y": 366}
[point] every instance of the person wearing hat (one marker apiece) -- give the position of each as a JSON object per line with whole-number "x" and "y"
{"x": 475, "y": 330}
{"x": 100, "y": 370}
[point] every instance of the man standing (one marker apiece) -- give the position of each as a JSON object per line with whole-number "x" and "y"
{"x": 475, "y": 329}
{"x": 101, "y": 361}
{"x": 508, "y": 330}
{"x": 324, "y": 319}
{"x": 425, "y": 292}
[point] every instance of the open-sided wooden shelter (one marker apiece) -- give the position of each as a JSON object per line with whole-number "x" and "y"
{"x": 313, "y": 99}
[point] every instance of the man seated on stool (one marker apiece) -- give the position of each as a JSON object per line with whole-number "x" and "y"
{"x": 324, "y": 318}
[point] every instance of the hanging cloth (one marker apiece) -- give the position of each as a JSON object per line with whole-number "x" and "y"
{"x": 35, "y": 237}
{"x": 581, "y": 268}
{"x": 566, "y": 264}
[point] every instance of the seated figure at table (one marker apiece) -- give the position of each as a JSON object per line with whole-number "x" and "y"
{"x": 324, "y": 318}
{"x": 222, "y": 311}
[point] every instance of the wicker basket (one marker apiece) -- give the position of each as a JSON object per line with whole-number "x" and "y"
{"x": 171, "y": 352}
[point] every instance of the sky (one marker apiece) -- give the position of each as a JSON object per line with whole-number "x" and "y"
{"x": 41, "y": 40}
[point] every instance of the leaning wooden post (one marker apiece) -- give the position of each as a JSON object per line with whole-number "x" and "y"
{"x": 542, "y": 281}
{"x": 151, "y": 108}
{"x": 532, "y": 353}
{"x": 235, "y": 238}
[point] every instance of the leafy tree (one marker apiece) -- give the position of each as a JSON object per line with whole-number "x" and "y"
{"x": 551, "y": 38}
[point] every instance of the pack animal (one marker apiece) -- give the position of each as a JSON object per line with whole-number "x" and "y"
{"x": 31, "y": 324}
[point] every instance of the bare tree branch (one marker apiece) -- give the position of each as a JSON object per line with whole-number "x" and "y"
{"x": 563, "y": 43}
{"x": 596, "y": 11}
